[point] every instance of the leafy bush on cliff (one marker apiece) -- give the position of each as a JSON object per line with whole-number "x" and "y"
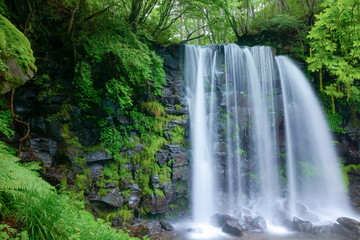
{"x": 115, "y": 65}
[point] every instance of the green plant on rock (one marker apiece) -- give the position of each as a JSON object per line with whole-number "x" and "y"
{"x": 125, "y": 214}
{"x": 346, "y": 170}
{"x": 118, "y": 65}
{"x": 335, "y": 122}
{"x": 178, "y": 133}
{"x": 84, "y": 84}
{"x": 154, "y": 108}
{"x": 159, "y": 192}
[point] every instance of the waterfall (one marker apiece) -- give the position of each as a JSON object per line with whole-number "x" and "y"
{"x": 202, "y": 172}
{"x": 259, "y": 138}
{"x": 309, "y": 145}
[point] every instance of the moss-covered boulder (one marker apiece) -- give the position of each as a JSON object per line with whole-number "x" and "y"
{"x": 17, "y": 63}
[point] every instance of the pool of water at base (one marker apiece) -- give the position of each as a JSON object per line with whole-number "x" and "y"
{"x": 265, "y": 236}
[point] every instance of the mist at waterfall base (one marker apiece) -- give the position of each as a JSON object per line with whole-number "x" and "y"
{"x": 260, "y": 145}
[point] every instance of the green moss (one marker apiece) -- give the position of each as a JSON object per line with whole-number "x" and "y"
{"x": 99, "y": 147}
{"x": 154, "y": 108}
{"x": 159, "y": 192}
{"x": 126, "y": 193}
{"x": 70, "y": 138}
{"x": 63, "y": 114}
{"x": 347, "y": 169}
{"x": 164, "y": 174}
{"x": 335, "y": 122}
{"x": 14, "y": 44}
{"x": 102, "y": 192}
{"x": 48, "y": 88}
{"x": 125, "y": 214}
{"x": 178, "y": 133}
{"x": 110, "y": 174}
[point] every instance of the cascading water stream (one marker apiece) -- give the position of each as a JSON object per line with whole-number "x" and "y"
{"x": 309, "y": 146}
{"x": 259, "y": 140}
{"x": 200, "y": 137}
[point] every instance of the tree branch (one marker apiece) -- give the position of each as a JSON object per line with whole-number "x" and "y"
{"x": 199, "y": 28}
{"x": 97, "y": 13}
{"x": 171, "y": 23}
{"x": 187, "y": 40}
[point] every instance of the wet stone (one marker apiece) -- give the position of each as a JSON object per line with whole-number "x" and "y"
{"x": 166, "y": 225}
{"x": 302, "y": 226}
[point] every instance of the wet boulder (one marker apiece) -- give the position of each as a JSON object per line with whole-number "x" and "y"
{"x": 228, "y": 224}
{"x": 43, "y": 149}
{"x": 159, "y": 204}
{"x": 301, "y": 225}
{"x": 97, "y": 156}
{"x": 283, "y": 218}
{"x": 113, "y": 198}
{"x": 259, "y": 223}
{"x": 135, "y": 196}
{"x": 320, "y": 229}
{"x": 256, "y": 223}
{"x": 166, "y": 226}
{"x": 232, "y": 226}
{"x": 347, "y": 227}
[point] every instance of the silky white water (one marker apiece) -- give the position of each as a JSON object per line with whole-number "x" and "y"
{"x": 259, "y": 138}
{"x": 309, "y": 145}
{"x": 203, "y": 190}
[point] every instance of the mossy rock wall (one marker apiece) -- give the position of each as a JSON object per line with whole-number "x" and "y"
{"x": 149, "y": 179}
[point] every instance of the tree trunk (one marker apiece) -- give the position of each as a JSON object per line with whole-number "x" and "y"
{"x": 198, "y": 34}
{"x": 72, "y": 18}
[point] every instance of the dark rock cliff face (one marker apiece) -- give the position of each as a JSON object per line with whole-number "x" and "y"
{"x": 64, "y": 143}
{"x": 348, "y": 147}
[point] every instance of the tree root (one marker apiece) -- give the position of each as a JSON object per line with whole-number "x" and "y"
{"x": 17, "y": 120}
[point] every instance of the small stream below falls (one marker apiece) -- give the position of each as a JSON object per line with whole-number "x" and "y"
{"x": 265, "y": 236}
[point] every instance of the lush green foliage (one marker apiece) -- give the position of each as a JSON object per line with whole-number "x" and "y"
{"x": 42, "y": 212}
{"x": 335, "y": 42}
{"x": 116, "y": 65}
{"x": 335, "y": 121}
{"x": 5, "y": 120}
